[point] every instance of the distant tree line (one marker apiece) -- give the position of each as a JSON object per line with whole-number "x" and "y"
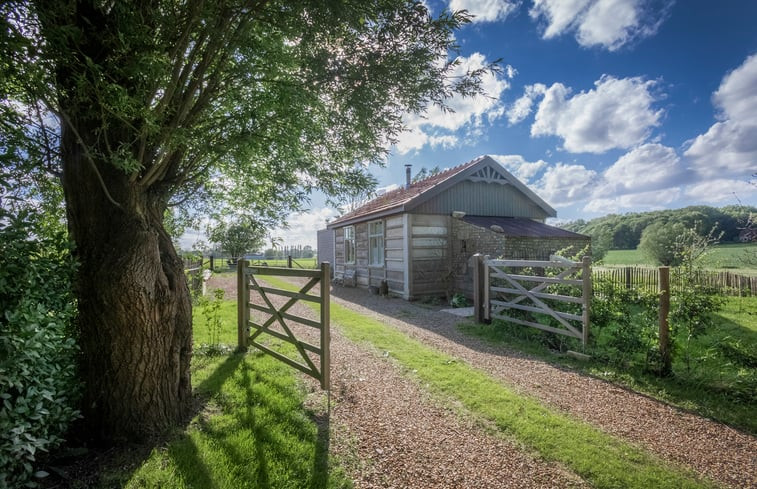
{"x": 624, "y": 231}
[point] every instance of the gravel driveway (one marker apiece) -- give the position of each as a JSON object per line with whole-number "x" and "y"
{"x": 401, "y": 435}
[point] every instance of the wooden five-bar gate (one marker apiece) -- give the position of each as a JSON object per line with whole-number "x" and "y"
{"x": 278, "y": 322}
{"x": 523, "y": 285}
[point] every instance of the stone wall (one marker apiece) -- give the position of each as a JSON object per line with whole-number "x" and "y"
{"x": 468, "y": 239}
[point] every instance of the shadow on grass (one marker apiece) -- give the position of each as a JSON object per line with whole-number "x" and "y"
{"x": 247, "y": 429}
{"x": 259, "y": 432}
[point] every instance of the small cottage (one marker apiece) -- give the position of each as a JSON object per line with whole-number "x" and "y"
{"x": 419, "y": 238}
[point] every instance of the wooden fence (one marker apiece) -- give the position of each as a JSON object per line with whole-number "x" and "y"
{"x": 501, "y": 286}
{"x": 276, "y": 322}
{"x": 648, "y": 280}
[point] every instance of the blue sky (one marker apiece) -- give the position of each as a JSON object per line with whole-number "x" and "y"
{"x": 603, "y": 106}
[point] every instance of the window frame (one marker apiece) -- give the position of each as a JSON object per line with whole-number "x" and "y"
{"x": 380, "y": 245}
{"x": 349, "y": 245}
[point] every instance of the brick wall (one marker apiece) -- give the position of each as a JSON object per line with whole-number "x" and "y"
{"x": 468, "y": 240}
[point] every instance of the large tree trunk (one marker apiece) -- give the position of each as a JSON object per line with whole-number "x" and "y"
{"x": 134, "y": 304}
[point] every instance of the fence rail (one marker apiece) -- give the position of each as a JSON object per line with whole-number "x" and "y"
{"x": 277, "y": 322}
{"x": 501, "y": 286}
{"x": 648, "y": 280}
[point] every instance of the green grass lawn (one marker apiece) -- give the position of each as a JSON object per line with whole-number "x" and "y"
{"x": 252, "y": 429}
{"x": 723, "y": 257}
{"x": 603, "y": 460}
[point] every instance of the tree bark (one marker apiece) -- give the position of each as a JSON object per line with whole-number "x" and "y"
{"x": 135, "y": 315}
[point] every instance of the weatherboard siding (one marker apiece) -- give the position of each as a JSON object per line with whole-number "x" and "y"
{"x": 482, "y": 199}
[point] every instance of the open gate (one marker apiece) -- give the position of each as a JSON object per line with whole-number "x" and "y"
{"x": 275, "y": 322}
{"x": 524, "y": 285}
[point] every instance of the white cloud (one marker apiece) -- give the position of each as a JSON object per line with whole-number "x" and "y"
{"x": 437, "y": 127}
{"x": 618, "y": 113}
{"x": 518, "y": 166}
{"x": 563, "y": 185}
{"x": 639, "y": 201}
{"x": 647, "y": 167}
{"x": 729, "y": 147}
{"x": 722, "y": 190}
{"x": 485, "y": 10}
{"x": 737, "y": 94}
{"x": 521, "y": 108}
{"x": 609, "y": 24}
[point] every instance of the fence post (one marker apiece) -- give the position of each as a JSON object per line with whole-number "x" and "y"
{"x": 243, "y": 311}
{"x": 485, "y": 286}
{"x": 477, "y": 288}
{"x": 289, "y": 261}
{"x": 587, "y": 293}
{"x": 325, "y": 322}
{"x": 628, "y": 277}
{"x": 212, "y": 268}
{"x": 666, "y": 367}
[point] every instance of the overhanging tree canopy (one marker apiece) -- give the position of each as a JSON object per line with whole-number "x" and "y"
{"x": 247, "y": 104}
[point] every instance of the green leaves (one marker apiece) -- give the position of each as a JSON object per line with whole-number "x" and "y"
{"x": 38, "y": 384}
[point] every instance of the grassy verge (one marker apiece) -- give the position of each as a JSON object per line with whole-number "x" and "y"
{"x": 604, "y": 461}
{"x": 252, "y": 430}
{"x": 719, "y": 380}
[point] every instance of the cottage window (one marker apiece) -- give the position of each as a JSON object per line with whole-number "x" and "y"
{"x": 349, "y": 244}
{"x": 376, "y": 243}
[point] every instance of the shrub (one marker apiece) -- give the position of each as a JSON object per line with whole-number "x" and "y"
{"x": 38, "y": 386}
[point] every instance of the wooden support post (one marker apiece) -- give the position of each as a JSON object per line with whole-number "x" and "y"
{"x": 243, "y": 311}
{"x": 289, "y": 261}
{"x": 212, "y": 269}
{"x": 628, "y": 277}
{"x": 485, "y": 289}
{"x": 325, "y": 326}
{"x": 587, "y": 294}
{"x": 666, "y": 367}
{"x": 478, "y": 297}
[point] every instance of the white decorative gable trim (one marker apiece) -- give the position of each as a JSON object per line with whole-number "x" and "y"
{"x": 488, "y": 174}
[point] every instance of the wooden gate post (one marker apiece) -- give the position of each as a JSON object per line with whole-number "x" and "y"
{"x": 325, "y": 326}
{"x": 587, "y": 293}
{"x": 243, "y": 310}
{"x": 666, "y": 367}
{"x": 478, "y": 297}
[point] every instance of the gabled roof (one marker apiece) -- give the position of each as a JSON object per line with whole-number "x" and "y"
{"x": 483, "y": 168}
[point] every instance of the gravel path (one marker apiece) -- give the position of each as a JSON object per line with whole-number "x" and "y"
{"x": 401, "y": 436}
{"x": 722, "y": 453}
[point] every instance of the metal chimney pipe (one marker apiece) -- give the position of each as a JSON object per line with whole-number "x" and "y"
{"x": 408, "y": 177}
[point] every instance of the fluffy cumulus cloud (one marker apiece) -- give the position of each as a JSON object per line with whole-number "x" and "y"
{"x": 563, "y": 185}
{"x": 647, "y": 167}
{"x": 729, "y": 147}
{"x": 440, "y": 128}
{"x": 617, "y": 113}
{"x": 608, "y": 24}
{"x": 486, "y": 10}
{"x": 517, "y": 165}
{"x": 521, "y": 108}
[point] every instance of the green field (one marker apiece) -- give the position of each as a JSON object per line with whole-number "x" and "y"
{"x": 730, "y": 257}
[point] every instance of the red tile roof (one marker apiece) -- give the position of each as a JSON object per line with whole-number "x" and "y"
{"x": 401, "y": 196}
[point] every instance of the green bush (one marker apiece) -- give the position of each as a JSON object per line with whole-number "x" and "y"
{"x": 38, "y": 384}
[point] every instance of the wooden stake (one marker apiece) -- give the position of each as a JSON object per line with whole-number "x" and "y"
{"x": 666, "y": 367}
